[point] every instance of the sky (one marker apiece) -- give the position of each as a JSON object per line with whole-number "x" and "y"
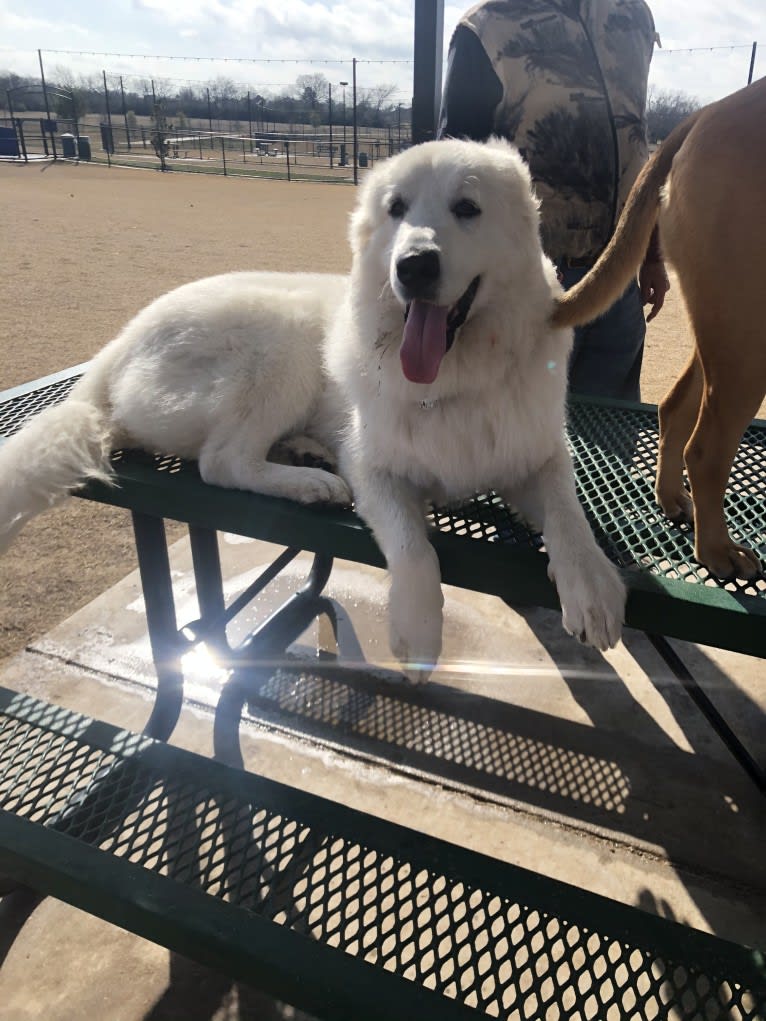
{"x": 269, "y": 44}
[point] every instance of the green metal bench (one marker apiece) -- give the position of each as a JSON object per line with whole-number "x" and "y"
{"x": 327, "y": 908}
{"x": 331, "y": 909}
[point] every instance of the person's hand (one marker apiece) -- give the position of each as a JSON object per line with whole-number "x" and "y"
{"x": 654, "y": 285}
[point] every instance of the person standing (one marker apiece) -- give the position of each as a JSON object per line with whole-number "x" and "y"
{"x": 566, "y": 82}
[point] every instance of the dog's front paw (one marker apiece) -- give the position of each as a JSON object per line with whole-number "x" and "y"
{"x": 727, "y": 559}
{"x": 415, "y": 615}
{"x": 675, "y": 503}
{"x": 305, "y": 452}
{"x": 318, "y": 486}
{"x": 592, "y": 596}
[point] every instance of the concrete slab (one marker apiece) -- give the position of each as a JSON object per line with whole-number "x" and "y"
{"x": 597, "y": 770}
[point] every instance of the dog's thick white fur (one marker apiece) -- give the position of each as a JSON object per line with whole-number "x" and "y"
{"x": 230, "y": 368}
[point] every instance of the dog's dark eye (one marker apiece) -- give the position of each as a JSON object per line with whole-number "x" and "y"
{"x": 465, "y": 209}
{"x": 397, "y": 208}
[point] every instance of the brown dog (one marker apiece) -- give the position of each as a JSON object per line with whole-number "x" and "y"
{"x": 706, "y": 185}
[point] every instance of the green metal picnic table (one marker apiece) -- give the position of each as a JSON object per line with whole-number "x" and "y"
{"x": 481, "y": 545}
{"x": 329, "y": 908}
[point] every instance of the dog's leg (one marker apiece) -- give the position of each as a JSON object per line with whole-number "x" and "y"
{"x": 395, "y": 511}
{"x": 590, "y": 589}
{"x": 677, "y": 414}
{"x": 304, "y": 451}
{"x": 237, "y": 460}
{"x": 729, "y": 403}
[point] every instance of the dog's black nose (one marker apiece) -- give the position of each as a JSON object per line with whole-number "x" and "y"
{"x": 418, "y": 272}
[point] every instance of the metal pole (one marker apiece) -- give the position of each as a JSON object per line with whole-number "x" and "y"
{"x": 110, "y": 138}
{"x": 45, "y": 96}
{"x": 20, "y": 128}
{"x": 209, "y": 117}
{"x": 223, "y": 155}
{"x": 752, "y": 64}
{"x": 343, "y": 85}
{"x": 427, "y": 75}
{"x": 353, "y": 122}
{"x": 76, "y": 124}
{"x": 329, "y": 117}
{"x": 250, "y": 120}
{"x": 45, "y": 87}
{"x": 125, "y": 113}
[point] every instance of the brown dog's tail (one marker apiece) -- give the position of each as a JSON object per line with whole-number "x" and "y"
{"x": 618, "y": 263}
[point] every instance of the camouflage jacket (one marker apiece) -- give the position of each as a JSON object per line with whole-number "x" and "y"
{"x": 565, "y": 80}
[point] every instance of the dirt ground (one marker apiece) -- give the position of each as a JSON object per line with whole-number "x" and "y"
{"x": 84, "y": 248}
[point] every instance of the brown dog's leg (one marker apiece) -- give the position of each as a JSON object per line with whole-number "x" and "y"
{"x": 678, "y": 412}
{"x": 729, "y": 403}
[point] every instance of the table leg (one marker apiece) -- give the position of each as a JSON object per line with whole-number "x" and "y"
{"x": 166, "y": 644}
{"x": 756, "y": 773}
{"x": 208, "y": 580}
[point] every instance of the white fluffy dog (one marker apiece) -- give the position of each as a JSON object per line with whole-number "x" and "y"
{"x": 432, "y": 374}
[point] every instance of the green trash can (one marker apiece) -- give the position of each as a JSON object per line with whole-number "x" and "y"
{"x": 68, "y": 148}
{"x": 83, "y": 146}
{"x": 362, "y": 159}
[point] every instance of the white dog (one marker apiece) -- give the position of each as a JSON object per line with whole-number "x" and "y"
{"x": 433, "y": 374}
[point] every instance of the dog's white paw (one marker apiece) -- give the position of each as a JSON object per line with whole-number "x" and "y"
{"x": 415, "y": 616}
{"x": 318, "y": 486}
{"x": 305, "y": 452}
{"x": 592, "y": 596}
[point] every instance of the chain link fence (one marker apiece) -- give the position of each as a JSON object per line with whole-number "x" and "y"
{"x": 297, "y": 151}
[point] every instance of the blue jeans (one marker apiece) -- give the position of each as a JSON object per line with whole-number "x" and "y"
{"x": 607, "y": 354}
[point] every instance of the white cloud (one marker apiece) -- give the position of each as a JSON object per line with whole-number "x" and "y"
{"x": 323, "y": 33}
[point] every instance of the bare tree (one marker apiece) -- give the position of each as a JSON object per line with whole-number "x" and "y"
{"x": 374, "y": 99}
{"x": 77, "y": 107}
{"x": 665, "y": 109}
{"x": 160, "y": 134}
{"x": 311, "y": 89}
{"x": 162, "y": 89}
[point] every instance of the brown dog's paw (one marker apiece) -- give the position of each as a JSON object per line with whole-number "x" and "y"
{"x": 730, "y": 562}
{"x": 678, "y": 507}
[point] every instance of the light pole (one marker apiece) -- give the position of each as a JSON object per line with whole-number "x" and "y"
{"x": 343, "y": 85}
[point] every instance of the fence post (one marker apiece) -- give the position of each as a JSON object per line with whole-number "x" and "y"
{"x": 329, "y": 117}
{"x": 287, "y": 157}
{"x": 125, "y": 114}
{"x": 110, "y": 138}
{"x": 353, "y": 121}
{"x": 20, "y": 127}
{"x": 223, "y": 154}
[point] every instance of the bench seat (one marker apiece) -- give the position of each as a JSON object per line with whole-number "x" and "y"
{"x": 328, "y": 908}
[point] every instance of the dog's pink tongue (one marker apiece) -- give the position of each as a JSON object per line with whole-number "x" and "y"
{"x": 424, "y": 342}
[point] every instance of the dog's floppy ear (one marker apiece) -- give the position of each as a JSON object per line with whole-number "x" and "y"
{"x": 360, "y": 227}
{"x": 362, "y": 222}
